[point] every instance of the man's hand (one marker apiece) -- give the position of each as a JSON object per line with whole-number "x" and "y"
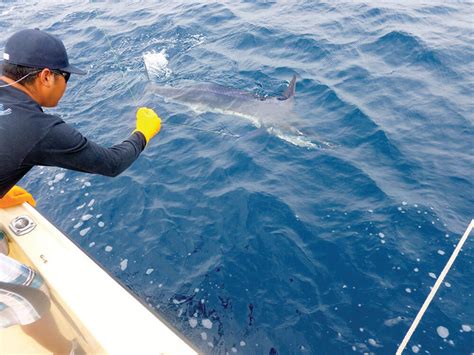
{"x": 148, "y": 123}
{"x": 16, "y": 196}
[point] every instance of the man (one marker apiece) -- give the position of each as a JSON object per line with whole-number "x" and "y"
{"x": 35, "y": 73}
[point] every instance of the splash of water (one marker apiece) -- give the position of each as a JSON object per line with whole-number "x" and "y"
{"x": 156, "y": 64}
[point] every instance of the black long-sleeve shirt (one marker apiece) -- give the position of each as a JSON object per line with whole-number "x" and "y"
{"x": 30, "y": 137}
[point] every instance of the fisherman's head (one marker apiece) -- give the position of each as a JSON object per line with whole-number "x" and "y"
{"x": 39, "y": 62}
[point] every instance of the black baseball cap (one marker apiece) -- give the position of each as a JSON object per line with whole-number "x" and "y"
{"x": 38, "y": 49}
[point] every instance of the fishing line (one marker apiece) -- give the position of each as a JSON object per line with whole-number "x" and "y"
{"x": 135, "y": 100}
{"x": 121, "y": 71}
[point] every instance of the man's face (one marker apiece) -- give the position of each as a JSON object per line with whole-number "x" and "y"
{"x": 51, "y": 87}
{"x": 57, "y": 90}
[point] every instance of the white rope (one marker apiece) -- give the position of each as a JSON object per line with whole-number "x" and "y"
{"x": 434, "y": 289}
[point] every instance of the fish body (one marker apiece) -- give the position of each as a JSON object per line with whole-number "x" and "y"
{"x": 272, "y": 113}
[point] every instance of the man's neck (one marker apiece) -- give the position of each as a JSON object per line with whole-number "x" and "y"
{"x": 18, "y": 86}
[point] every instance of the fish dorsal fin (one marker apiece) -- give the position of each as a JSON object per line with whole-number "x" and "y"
{"x": 290, "y": 90}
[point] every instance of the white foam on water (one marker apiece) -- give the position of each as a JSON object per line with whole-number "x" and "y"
{"x": 298, "y": 140}
{"x": 194, "y": 40}
{"x": 123, "y": 264}
{"x": 78, "y": 224}
{"x": 156, "y": 64}
{"x": 374, "y": 343}
{"x": 58, "y": 178}
{"x": 6, "y": 12}
{"x": 443, "y": 332}
{"x": 193, "y": 322}
{"x": 206, "y": 323}
{"x": 381, "y": 235}
{"x": 466, "y": 328}
{"x": 84, "y": 231}
{"x": 393, "y": 321}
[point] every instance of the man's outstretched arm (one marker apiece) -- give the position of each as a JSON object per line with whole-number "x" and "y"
{"x": 66, "y": 147}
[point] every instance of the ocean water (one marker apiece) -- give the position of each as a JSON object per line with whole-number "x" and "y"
{"x": 248, "y": 239}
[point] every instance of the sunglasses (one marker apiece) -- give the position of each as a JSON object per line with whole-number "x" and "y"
{"x": 66, "y": 75}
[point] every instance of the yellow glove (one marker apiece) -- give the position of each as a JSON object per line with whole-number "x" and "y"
{"x": 148, "y": 123}
{"x": 16, "y": 196}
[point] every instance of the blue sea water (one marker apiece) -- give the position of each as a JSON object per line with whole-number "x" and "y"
{"x": 255, "y": 245}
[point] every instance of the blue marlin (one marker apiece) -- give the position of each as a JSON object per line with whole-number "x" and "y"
{"x": 272, "y": 113}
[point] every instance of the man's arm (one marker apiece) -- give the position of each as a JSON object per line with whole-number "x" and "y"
{"x": 66, "y": 147}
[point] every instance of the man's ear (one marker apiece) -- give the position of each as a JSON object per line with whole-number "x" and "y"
{"x": 46, "y": 77}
